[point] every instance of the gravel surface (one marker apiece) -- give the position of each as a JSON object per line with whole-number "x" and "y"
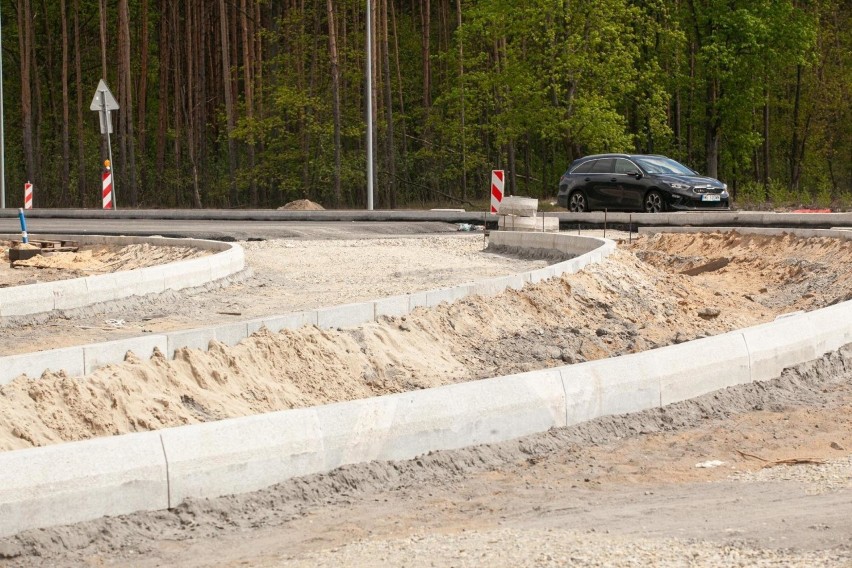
{"x": 553, "y": 548}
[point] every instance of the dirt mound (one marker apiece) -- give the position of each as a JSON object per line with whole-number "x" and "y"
{"x": 91, "y": 260}
{"x": 623, "y": 305}
{"x": 302, "y": 205}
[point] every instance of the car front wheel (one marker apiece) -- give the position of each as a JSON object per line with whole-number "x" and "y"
{"x": 577, "y": 202}
{"x": 654, "y": 202}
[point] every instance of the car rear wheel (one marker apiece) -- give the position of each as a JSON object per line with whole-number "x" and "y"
{"x": 654, "y": 202}
{"x": 577, "y": 202}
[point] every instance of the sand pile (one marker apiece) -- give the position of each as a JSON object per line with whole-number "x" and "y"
{"x": 91, "y": 260}
{"x": 301, "y": 205}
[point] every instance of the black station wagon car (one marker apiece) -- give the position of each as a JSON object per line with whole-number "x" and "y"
{"x": 638, "y": 182}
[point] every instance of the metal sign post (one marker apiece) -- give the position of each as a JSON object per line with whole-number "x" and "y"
{"x": 103, "y": 102}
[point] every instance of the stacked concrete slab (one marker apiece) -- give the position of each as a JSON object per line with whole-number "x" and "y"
{"x": 85, "y": 480}
{"x": 520, "y": 214}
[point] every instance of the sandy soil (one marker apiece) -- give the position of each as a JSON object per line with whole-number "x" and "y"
{"x": 633, "y": 476}
{"x": 617, "y": 491}
{"x": 283, "y": 275}
{"x": 88, "y": 261}
{"x": 638, "y": 299}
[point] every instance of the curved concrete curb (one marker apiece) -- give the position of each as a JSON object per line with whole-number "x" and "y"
{"x": 84, "y": 359}
{"x": 244, "y": 454}
{"x": 227, "y": 259}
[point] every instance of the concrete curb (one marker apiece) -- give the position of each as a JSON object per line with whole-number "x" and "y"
{"x": 227, "y": 259}
{"x": 48, "y": 486}
{"x": 74, "y": 362}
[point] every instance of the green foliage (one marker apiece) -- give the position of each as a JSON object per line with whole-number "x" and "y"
{"x": 526, "y": 85}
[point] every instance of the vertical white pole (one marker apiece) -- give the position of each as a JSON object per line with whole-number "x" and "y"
{"x": 108, "y": 127}
{"x": 369, "y": 107}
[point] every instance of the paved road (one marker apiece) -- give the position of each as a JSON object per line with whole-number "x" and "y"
{"x": 226, "y": 229}
{"x": 243, "y": 224}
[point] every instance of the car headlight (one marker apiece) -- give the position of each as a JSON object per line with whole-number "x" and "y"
{"x": 679, "y": 186}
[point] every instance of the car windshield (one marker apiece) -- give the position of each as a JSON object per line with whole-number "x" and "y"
{"x": 658, "y": 165}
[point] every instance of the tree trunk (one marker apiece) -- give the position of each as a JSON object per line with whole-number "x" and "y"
{"x": 25, "y": 35}
{"x": 65, "y": 194}
{"x": 102, "y": 12}
{"x": 142, "y": 95}
{"x": 794, "y": 145}
{"x": 335, "y": 95}
{"x": 78, "y": 77}
{"x": 229, "y": 103}
{"x": 766, "y": 173}
{"x": 425, "y": 21}
{"x": 711, "y": 141}
{"x": 163, "y": 98}
{"x": 248, "y": 81}
{"x": 390, "y": 157}
{"x": 461, "y": 80}
{"x": 128, "y": 130}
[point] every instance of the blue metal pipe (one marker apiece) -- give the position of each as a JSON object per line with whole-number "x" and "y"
{"x": 24, "y": 238}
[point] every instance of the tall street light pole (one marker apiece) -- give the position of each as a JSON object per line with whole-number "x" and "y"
{"x": 369, "y": 106}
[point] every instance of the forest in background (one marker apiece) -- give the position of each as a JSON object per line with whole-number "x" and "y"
{"x": 254, "y": 103}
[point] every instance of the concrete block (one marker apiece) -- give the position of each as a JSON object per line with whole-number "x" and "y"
{"x": 521, "y": 206}
{"x": 477, "y": 412}
{"x": 627, "y": 384}
{"x": 346, "y": 315}
{"x": 536, "y": 276}
{"x": 293, "y": 320}
{"x": 449, "y": 295}
{"x": 417, "y": 300}
{"x": 232, "y": 333}
{"x": 96, "y": 355}
{"x": 528, "y": 224}
{"x": 70, "y": 294}
{"x": 23, "y": 300}
{"x": 151, "y": 280}
{"x": 81, "y": 481}
{"x": 832, "y": 327}
{"x": 69, "y": 359}
{"x": 242, "y": 454}
{"x": 393, "y": 306}
{"x": 701, "y": 366}
{"x": 190, "y": 338}
{"x": 357, "y": 431}
{"x": 105, "y": 288}
{"x": 227, "y": 262}
{"x": 783, "y": 343}
{"x": 494, "y": 286}
{"x": 187, "y": 273}
{"x": 582, "y": 393}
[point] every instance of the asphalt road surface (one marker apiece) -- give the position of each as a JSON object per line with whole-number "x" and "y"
{"x": 229, "y": 230}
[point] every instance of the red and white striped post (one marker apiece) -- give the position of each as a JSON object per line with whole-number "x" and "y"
{"x": 107, "y": 185}
{"x": 497, "y": 178}
{"x": 28, "y": 195}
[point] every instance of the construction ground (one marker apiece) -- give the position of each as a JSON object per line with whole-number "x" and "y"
{"x": 754, "y": 475}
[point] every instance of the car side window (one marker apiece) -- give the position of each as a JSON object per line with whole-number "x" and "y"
{"x": 603, "y": 166}
{"x": 584, "y": 168}
{"x": 625, "y": 166}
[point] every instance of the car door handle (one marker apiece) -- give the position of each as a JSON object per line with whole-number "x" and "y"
{"x": 588, "y": 179}
{"x": 613, "y": 179}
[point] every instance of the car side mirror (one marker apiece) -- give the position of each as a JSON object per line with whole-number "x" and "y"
{"x": 634, "y": 173}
